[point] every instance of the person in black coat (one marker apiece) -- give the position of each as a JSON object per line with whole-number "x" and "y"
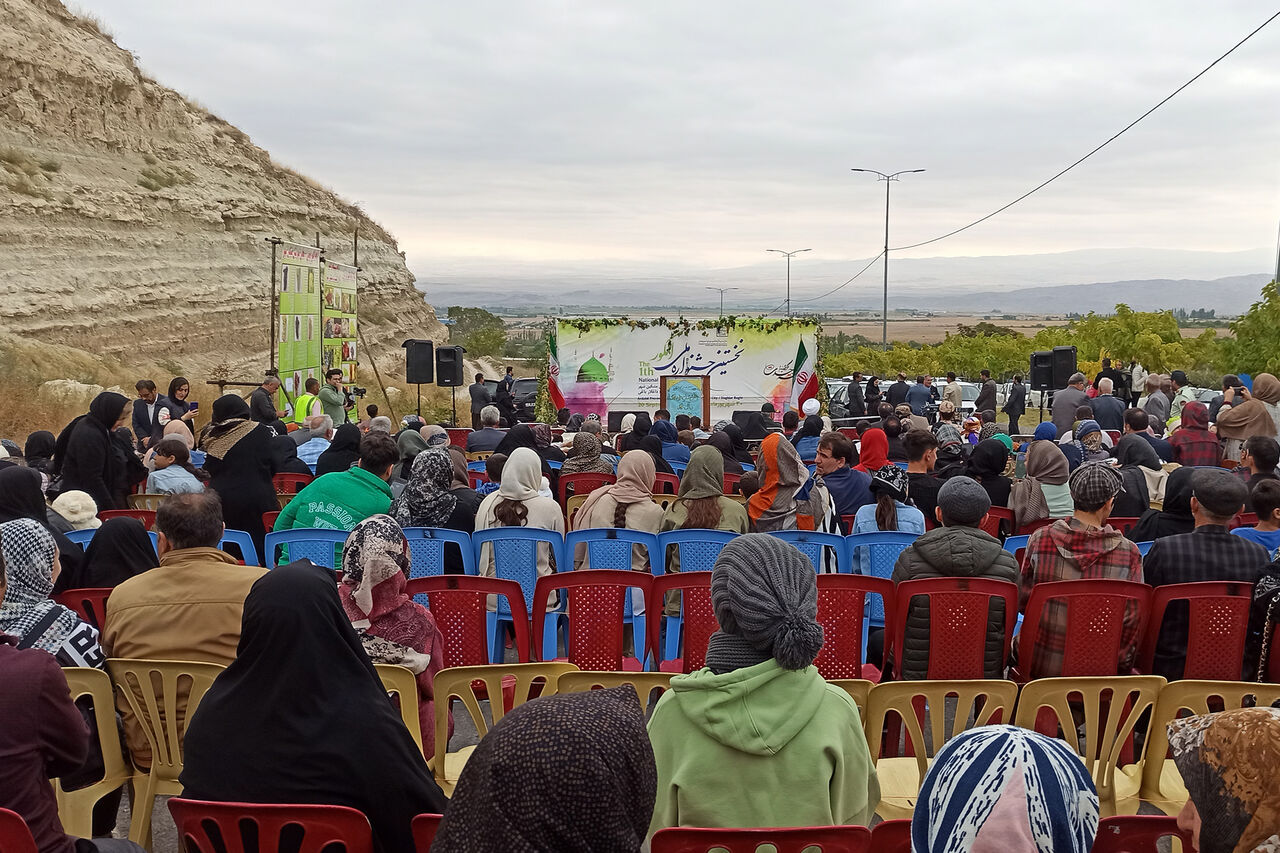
{"x": 85, "y": 455}
{"x": 1016, "y": 406}
{"x": 240, "y": 459}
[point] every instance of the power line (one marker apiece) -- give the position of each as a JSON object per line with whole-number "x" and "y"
{"x": 1113, "y": 138}
{"x": 869, "y": 265}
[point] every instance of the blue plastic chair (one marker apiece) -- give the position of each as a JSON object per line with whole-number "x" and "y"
{"x": 84, "y": 537}
{"x": 241, "y": 539}
{"x": 698, "y": 551}
{"x": 515, "y": 557}
{"x": 1144, "y": 547}
{"x": 901, "y": 465}
{"x": 679, "y": 468}
{"x": 610, "y": 548}
{"x": 747, "y": 466}
{"x": 319, "y": 546}
{"x": 884, "y": 547}
{"x": 554, "y": 465}
{"x": 813, "y": 545}
{"x": 426, "y": 553}
{"x": 197, "y": 458}
{"x": 477, "y": 465}
{"x": 1013, "y": 543}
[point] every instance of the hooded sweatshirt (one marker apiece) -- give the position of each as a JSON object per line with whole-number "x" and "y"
{"x": 760, "y": 746}
{"x": 953, "y": 552}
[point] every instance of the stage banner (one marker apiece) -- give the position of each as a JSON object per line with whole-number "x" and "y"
{"x": 619, "y": 364}
{"x": 339, "y": 311}
{"x": 298, "y": 315}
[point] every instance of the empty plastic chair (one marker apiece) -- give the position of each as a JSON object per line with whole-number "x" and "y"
{"x": 427, "y": 549}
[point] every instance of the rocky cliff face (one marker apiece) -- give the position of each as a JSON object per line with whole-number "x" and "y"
{"x": 132, "y": 220}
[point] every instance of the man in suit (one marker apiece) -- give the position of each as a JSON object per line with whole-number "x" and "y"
{"x": 145, "y": 411}
{"x": 986, "y": 401}
{"x": 479, "y": 399}
{"x": 1108, "y": 409}
{"x": 1016, "y": 406}
{"x": 1066, "y": 401}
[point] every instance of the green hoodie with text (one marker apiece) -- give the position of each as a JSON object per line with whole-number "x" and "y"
{"x": 760, "y": 746}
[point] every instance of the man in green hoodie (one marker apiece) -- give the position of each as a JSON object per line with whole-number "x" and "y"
{"x": 758, "y": 738}
{"x": 343, "y": 499}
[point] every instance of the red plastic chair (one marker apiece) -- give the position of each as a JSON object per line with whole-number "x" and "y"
{"x": 458, "y": 436}
{"x": 1114, "y": 435}
{"x": 425, "y": 827}
{"x": 14, "y": 835}
{"x": 582, "y": 484}
{"x": 1217, "y": 614}
{"x": 828, "y": 839}
{"x": 290, "y": 484}
{"x": 846, "y": 522}
{"x": 475, "y": 478}
{"x": 205, "y": 827}
{"x": 842, "y": 613}
{"x": 1032, "y": 526}
{"x": 668, "y": 484}
{"x": 597, "y": 602}
{"x": 1095, "y": 624}
{"x": 891, "y": 836}
{"x": 146, "y": 516}
{"x": 732, "y": 484}
{"x": 958, "y": 609}
{"x": 999, "y": 522}
{"x": 1123, "y": 523}
{"x": 1137, "y": 834}
{"x": 269, "y": 520}
{"x": 458, "y": 604}
{"x": 1244, "y": 519}
{"x": 90, "y": 604}
{"x": 698, "y": 621}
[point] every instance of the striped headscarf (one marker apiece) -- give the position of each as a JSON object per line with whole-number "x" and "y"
{"x": 782, "y": 473}
{"x": 1006, "y": 788}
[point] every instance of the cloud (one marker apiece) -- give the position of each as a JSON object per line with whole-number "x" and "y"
{"x": 666, "y": 134}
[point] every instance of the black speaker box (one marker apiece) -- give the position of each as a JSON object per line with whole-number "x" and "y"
{"x": 1064, "y": 364}
{"x": 449, "y": 367}
{"x": 1041, "y": 375}
{"x": 419, "y": 362}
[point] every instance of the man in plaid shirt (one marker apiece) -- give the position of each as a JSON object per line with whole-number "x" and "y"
{"x": 1082, "y": 547}
{"x": 1208, "y": 553}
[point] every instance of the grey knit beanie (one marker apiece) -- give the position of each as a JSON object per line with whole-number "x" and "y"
{"x": 765, "y": 591}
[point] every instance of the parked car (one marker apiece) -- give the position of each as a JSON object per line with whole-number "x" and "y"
{"x": 525, "y": 393}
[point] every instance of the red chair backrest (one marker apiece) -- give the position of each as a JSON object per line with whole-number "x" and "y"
{"x": 699, "y": 619}
{"x": 269, "y": 520}
{"x": 89, "y": 604}
{"x": 828, "y": 839}
{"x": 458, "y": 604}
{"x": 205, "y": 827}
{"x": 732, "y": 484}
{"x": 146, "y": 516}
{"x": 1123, "y": 523}
{"x": 597, "y": 598}
{"x": 668, "y": 484}
{"x": 475, "y": 478}
{"x": 1137, "y": 834}
{"x": 1095, "y": 624}
{"x": 1217, "y": 614}
{"x": 891, "y": 836}
{"x": 999, "y": 522}
{"x": 1032, "y": 526}
{"x": 958, "y": 610}
{"x": 458, "y": 436}
{"x": 582, "y": 484}
{"x": 14, "y": 835}
{"x": 290, "y": 484}
{"x": 1244, "y": 519}
{"x": 841, "y": 610}
{"x": 846, "y": 522}
{"x": 425, "y": 827}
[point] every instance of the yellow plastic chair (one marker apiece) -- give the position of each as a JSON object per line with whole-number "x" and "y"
{"x": 859, "y": 690}
{"x": 400, "y": 682}
{"x": 1107, "y": 721}
{"x": 644, "y": 683}
{"x": 474, "y": 684}
{"x": 571, "y": 507}
{"x": 75, "y": 808}
{"x": 665, "y": 501}
{"x": 977, "y": 703}
{"x": 151, "y": 502}
{"x": 1162, "y": 784}
{"x": 153, "y": 689}
{"x": 479, "y": 455}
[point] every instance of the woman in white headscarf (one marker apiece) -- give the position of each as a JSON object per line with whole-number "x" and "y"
{"x": 518, "y": 504}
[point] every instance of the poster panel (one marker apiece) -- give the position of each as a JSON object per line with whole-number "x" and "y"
{"x": 338, "y": 312}
{"x": 614, "y": 364}
{"x": 298, "y": 315}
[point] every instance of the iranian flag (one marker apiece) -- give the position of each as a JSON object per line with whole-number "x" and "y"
{"x": 804, "y": 378}
{"x": 553, "y": 378}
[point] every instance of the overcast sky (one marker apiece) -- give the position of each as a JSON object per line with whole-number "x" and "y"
{"x": 635, "y": 136}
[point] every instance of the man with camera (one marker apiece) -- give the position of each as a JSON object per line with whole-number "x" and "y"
{"x": 334, "y": 399}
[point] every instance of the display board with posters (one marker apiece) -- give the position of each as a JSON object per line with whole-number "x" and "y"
{"x": 598, "y": 365}
{"x": 339, "y": 314}
{"x": 298, "y": 283}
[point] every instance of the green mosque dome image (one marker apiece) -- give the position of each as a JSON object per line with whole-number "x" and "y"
{"x": 593, "y": 370}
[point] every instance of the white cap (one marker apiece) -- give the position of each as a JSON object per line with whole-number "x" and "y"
{"x": 810, "y": 406}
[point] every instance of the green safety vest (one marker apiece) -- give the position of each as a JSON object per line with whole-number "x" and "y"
{"x": 302, "y": 408}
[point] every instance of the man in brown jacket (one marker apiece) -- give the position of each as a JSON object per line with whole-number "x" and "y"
{"x": 188, "y": 609}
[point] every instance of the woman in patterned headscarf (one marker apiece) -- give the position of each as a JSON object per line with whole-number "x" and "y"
{"x": 26, "y": 611}
{"x": 1005, "y": 788}
{"x": 781, "y": 476}
{"x": 392, "y": 626}
{"x": 586, "y": 456}
{"x": 627, "y": 503}
{"x": 1230, "y": 763}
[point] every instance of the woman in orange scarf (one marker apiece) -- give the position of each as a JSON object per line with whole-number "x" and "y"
{"x": 782, "y": 474}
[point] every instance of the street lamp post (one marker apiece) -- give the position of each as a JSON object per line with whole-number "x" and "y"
{"x": 884, "y": 316}
{"x": 722, "y": 290}
{"x": 789, "y": 254}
